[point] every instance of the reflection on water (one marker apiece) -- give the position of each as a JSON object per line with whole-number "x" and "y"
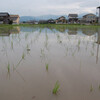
{"x": 98, "y": 43}
{"x": 8, "y": 31}
{"x": 33, "y": 59}
{"x": 72, "y": 31}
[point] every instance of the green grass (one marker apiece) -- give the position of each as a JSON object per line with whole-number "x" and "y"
{"x": 56, "y": 88}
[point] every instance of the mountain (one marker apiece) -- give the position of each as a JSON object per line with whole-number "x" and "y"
{"x": 44, "y": 17}
{"x": 26, "y": 18}
{"x": 37, "y": 18}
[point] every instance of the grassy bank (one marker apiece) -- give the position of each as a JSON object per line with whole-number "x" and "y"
{"x": 50, "y": 25}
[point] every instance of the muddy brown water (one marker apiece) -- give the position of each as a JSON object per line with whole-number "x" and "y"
{"x": 72, "y": 55}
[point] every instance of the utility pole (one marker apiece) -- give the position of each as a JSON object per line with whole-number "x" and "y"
{"x": 99, "y": 15}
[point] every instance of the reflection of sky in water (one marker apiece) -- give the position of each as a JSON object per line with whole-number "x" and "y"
{"x": 72, "y": 55}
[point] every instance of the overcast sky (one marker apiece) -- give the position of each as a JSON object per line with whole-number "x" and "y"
{"x": 48, "y": 7}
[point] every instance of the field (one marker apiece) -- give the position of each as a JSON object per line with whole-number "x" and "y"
{"x": 49, "y": 62}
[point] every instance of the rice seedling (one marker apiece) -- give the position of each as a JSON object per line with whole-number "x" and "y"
{"x": 12, "y": 44}
{"x": 99, "y": 87}
{"x": 46, "y": 41}
{"x": 42, "y": 52}
{"x": 56, "y": 88}
{"x": 46, "y": 36}
{"x": 93, "y": 45}
{"x": 92, "y": 53}
{"x": 59, "y": 38}
{"x": 47, "y": 66}
{"x": 68, "y": 37}
{"x": 60, "y": 41}
{"x": 79, "y": 42}
{"x": 91, "y": 88}
{"x": 26, "y": 36}
{"x": 27, "y": 47}
{"x": 23, "y": 56}
{"x": 14, "y": 68}
{"x": 73, "y": 54}
{"x": 8, "y": 67}
{"x": 40, "y": 30}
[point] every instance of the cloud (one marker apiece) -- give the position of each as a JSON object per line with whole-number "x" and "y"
{"x": 44, "y": 7}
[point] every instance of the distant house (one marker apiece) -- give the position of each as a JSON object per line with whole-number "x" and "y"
{"x": 61, "y": 20}
{"x": 31, "y": 22}
{"x": 73, "y": 18}
{"x": 36, "y": 22}
{"x": 15, "y": 19}
{"x": 51, "y": 21}
{"x": 4, "y": 18}
{"x": 42, "y": 21}
{"x": 90, "y": 18}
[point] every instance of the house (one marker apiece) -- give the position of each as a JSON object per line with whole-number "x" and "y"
{"x": 89, "y": 18}
{"x": 51, "y": 21}
{"x": 15, "y": 19}
{"x": 4, "y": 18}
{"x": 61, "y": 20}
{"x": 73, "y": 18}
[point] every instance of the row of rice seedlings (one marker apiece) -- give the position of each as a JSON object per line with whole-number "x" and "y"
{"x": 91, "y": 88}
{"x": 78, "y": 44}
{"x": 46, "y": 41}
{"x": 27, "y": 49}
{"x": 19, "y": 38}
{"x": 46, "y": 37}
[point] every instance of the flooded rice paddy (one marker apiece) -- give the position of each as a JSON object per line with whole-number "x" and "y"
{"x": 34, "y": 61}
